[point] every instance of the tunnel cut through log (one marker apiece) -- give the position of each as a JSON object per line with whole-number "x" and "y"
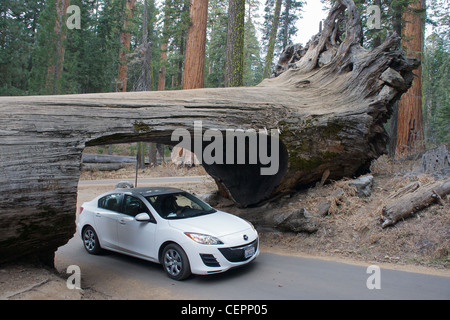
{"x": 329, "y": 118}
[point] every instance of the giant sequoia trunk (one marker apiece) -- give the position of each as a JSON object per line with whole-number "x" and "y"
{"x": 329, "y": 120}
{"x": 410, "y": 136}
{"x": 194, "y": 64}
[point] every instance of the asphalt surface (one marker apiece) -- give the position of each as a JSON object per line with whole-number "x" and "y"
{"x": 269, "y": 277}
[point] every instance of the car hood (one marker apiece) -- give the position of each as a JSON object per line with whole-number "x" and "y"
{"x": 215, "y": 224}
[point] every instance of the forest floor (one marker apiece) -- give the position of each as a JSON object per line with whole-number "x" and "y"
{"x": 350, "y": 232}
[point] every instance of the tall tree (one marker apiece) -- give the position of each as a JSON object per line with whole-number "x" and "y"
{"x": 410, "y": 136}
{"x": 142, "y": 62}
{"x": 176, "y": 15}
{"x": 272, "y": 39}
{"x": 54, "y": 70}
{"x": 216, "y": 43}
{"x": 50, "y": 48}
{"x": 234, "y": 64}
{"x": 163, "y": 54}
{"x": 290, "y": 14}
{"x": 436, "y": 75}
{"x": 18, "y": 25}
{"x": 253, "y": 65}
{"x": 125, "y": 40}
{"x": 194, "y": 65}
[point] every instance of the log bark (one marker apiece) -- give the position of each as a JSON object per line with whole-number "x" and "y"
{"x": 328, "y": 118}
{"x": 411, "y": 203}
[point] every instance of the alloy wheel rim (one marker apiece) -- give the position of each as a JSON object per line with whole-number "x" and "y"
{"x": 173, "y": 263}
{"x": 89, "y": 240}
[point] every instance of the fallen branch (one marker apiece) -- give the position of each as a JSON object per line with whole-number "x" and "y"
{"x": 413, "y": 186}
{"x": 411, "y": 203}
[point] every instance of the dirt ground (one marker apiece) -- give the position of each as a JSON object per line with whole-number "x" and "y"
{"x": 350, "y": 232}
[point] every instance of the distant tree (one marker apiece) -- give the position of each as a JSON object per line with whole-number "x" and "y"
{"x": 289, "y": 14}
{"x": 216, "y": 43}
{"x": 50, "y": 48}
{"x": 163, "y": 54}
{"x": 253, "y": 64}
{"x": 18, "y": 32}
{"x": 125, "y": 41}
{"x": 176, "y": 23}
{"x": 272, "y": 39}
{"x": 436, "y": 75}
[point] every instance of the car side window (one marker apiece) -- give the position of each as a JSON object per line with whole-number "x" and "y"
{"x": 110, "y": 202}
{"x": 133, "y": 206}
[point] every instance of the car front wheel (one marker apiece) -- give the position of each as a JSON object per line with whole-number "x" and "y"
{"x": 90, "y": 241}
{"x": 175, "y": 262}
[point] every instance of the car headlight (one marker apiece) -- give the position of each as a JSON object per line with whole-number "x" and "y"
{"x": 251, "y": 224}
{"x": 203, "y": 238}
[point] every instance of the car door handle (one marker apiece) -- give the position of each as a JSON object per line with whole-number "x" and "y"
{"x": 122, "y": 221}
{"x": 98, "y": 215}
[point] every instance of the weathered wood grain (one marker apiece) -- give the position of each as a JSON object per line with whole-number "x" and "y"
{"x": 407, "y": 205}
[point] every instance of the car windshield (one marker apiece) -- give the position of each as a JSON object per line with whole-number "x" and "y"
{"x": 180, "y": 205}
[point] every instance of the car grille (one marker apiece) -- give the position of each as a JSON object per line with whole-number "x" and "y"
{"x": 209, "y": 260}
{"x": 236, "y": 254}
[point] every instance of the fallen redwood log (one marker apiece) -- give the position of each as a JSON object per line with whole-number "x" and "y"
{"x": 410, "y": 203}
{"x": 329, "y": 117}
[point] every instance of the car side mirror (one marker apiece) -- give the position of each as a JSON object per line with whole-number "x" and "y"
{"x": 142, "y": 217}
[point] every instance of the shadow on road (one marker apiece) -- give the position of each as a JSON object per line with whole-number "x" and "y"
{"x": 214, "y": 279}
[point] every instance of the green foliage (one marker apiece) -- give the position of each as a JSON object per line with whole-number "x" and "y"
{"x": 253, "y": 64}
{"x": 18, "y": 23}
{"x": 176, "y": 22}
{"x": 290, "y": 13}
{"x": 216, "y": 44}
{"x": 436, "y": 79}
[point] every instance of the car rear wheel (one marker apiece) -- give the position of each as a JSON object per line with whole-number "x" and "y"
{"x": 176, "y": 262}
{"x": 90, "y": 241}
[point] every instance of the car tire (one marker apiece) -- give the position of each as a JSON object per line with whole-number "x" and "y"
{"x": 175, "y": 262}
{"x": 90, "y": 240}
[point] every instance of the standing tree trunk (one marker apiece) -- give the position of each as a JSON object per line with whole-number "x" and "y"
{"x": 272, "y": 40}
{"x": 54, "y": 71}
{"x": 145, "y": 79}
{"x": 397, "y": 27}
{"x": 234, "y": 63}
{"x": 194, "y": 64}
{"x": 286, "y": 23}
{"x": 410, "y": 138}
{"x": 125, "y": 40}
{"x": 163, "y": 57}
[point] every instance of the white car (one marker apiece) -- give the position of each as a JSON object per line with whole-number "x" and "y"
{"x": 167, "y": 226}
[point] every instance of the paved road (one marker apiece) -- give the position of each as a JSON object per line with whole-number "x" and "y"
{"x": 270, "y": 276}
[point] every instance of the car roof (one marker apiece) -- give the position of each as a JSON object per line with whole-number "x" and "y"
{"x": 149, "y": 191}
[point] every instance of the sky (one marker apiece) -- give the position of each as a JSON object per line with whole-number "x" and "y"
{"x": 309, "y": 25}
